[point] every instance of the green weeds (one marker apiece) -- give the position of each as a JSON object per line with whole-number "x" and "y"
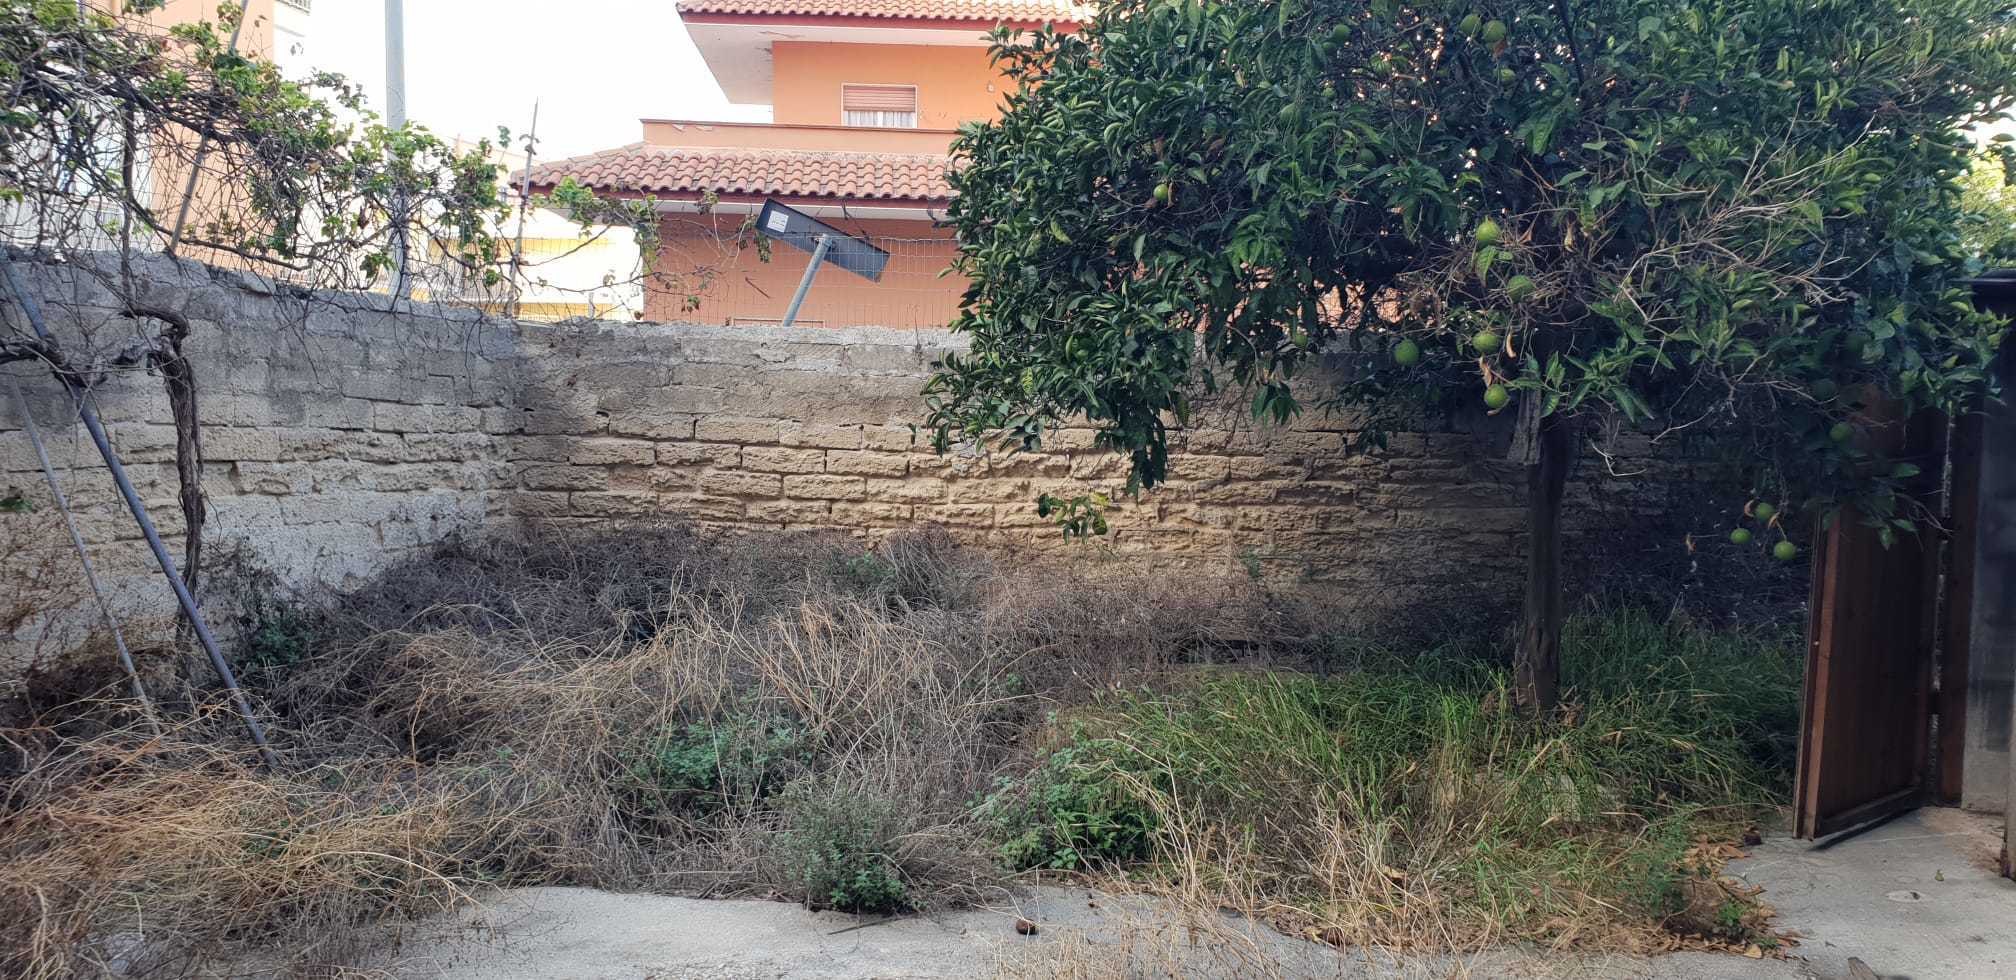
{"x": 1371, "y": 798}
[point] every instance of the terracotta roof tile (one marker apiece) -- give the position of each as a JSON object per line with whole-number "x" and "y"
{"x": 641, "y": 168}
{"x": 1062, "y": 11}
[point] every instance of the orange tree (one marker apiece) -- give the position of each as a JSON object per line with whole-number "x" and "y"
{"x": 1733, "y": 217}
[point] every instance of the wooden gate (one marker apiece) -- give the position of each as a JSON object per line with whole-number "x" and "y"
{"x": 1866, "y": 728}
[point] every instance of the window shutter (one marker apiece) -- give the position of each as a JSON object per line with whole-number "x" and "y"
{"x": 878, "y": 98}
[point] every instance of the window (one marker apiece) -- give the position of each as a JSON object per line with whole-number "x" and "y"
{"x": 892, "y": 106}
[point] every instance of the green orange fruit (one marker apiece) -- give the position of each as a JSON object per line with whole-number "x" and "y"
{"x": 1163, "y": 192}
{"x": 1764, "y": 511}
{"x": 1494, "y": 32}
{"x": 1841, "y": 432}
{"x": 1470, "y": 25}
{"x": 1497, "y": 397}
{"x": 1486, "y": 341}
{"x": 1488, "y": 233}
{"x": 1740, "y": 536}
{"x": 1407, "y": 353}
{"x": 1784, "y": 551}
{"x": 1519, "y": 287}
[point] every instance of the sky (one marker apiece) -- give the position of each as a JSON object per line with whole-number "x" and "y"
{"x": 595, "y": 67}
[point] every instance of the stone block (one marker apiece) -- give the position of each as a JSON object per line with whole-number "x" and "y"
{"x": 606, "y": 451}
{"x": 736, "y": 483}
{"x": 232, "y": 442}
{"x": 740, "y": 429}
{"x": 860, "y": 463}
{"x": 625, "y": 505}
{"x": 790, "y": 511}
{"x": 893, "y": 438}
{"x": 823, "y": 436}
{"x": 916, "y": 490}
{"x": 725, "y": 455}
{"x": 650, "y": 422}
{"x": 826, "y": 487}
{"x": 391, "y": 417}
{"x": 555, "y": 477}
{"x": 870, "y": 513}
{"x": 779, "y": 459}
{"x": 958, "y": 515}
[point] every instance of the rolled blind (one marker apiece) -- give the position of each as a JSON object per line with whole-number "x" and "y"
{"x": 878, "y": 98}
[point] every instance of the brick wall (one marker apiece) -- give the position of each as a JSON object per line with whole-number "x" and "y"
{"x": 339, "y": 438}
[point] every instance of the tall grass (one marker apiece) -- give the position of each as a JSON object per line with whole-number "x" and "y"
{"x": 1409, "y": 803}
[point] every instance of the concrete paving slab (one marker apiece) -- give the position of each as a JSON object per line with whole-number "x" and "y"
{"x": 1915, "y": 899}
{"x": 583, "y": 934}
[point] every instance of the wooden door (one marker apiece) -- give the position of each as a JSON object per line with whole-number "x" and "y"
{"x": 1866, "y": 728}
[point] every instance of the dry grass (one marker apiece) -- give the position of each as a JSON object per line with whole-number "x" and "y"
{"x": 799, "y": 717}
{"x": 619, "y": 710}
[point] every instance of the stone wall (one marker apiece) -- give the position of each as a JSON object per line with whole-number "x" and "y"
{"x": 339, "y": 438}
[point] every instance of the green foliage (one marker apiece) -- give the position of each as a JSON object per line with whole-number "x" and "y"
{"x": 1072, "y": 813}
{"x": 865, "y": 572}
{"x": 1670, "y": 732}
{"x": 838, "y": 847}
{"x": 1078, "y": 516}
{"x": 1679, "y": 214}
{"x": 744, "y": 756}
{"x": 299, "y": 175}
{"x": 276, "y": 635}
{"x": 1990, "y": 229}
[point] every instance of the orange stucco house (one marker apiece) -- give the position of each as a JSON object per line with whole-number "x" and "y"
{"x": 865, "y": 97}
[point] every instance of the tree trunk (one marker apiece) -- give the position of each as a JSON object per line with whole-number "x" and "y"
{"x": 180, "y": 381}
{"x": 178, "y": 376}
{"x": 1536, "y": 667}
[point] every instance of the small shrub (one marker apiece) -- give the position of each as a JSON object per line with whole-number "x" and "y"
{"x": 838, "y": 849}
{"x": 1071, "y": 813}
{"x": 744, "y": 756}
{"x": 865, "y": 572}
{"x": 277, "y": 635}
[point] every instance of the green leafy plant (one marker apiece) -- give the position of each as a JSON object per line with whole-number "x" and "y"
{"x": 744, "y": 756}
{"x": 1731, "y": 218}
{"x": 838, "y": 849}
{"x": 865, "y": 572}
{"x": 1071, "y": 813}
{"x": 277, "y": 635}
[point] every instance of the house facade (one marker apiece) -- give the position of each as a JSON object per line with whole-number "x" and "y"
{"x": 865, "y": 98}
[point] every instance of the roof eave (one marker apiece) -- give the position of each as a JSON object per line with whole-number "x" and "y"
{"x": 809, "y": 200}
{"x": 981, "y": 24}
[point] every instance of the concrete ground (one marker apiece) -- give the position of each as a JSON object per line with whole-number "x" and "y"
{"x": 582, "y": 934}
{"x": 1916, "y": 898}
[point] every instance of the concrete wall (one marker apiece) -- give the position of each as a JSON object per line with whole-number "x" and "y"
{"x": 700, "y": 252}
{"x": 954, "y": 84}
{"x": 1991, "y": 682}
{"x": 339, "y": 438}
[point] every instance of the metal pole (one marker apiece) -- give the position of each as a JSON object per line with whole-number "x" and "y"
{"x": 395, "y": 117}
{"x": 202, "y": 150}
{"x": 84, "y": 556}
{"x": 805, "y": 284}
{"x": 182, "y": 596}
